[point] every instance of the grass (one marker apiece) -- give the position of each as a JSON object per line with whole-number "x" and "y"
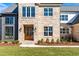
{"x": 54, "y": 51}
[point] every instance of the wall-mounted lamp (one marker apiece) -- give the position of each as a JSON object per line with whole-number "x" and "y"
{"x": 35, "y": 29}
{"x": 20, "y": 29}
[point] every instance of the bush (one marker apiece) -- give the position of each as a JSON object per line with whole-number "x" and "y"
{"x": 52, "y": 41}
{"x": 64, "y": 39}
{"x": 61, "y": 40}
{"x": 47, "y": 40}
{"x": 70, "y": 40}
{"x": 5, "y": 42}
{"x": 15, "y": 42}
{"x": 41, "y": 41}
{"x": 58, "y": 41}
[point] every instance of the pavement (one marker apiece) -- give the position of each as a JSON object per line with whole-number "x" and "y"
{"x": 32, "y": 45}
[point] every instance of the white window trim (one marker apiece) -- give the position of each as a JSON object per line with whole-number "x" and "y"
{"x": 9, "y": 18}
{"x": 30, "y": 11}
{"x": 61, "y": 32}
{"x": 63, "y": 17}
{"x": 48, "y": 11}
{"x": 48, "y": 31}
{"x": 13, "y": 25}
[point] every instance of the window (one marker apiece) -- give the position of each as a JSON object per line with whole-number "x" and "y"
{"x": 48, "y": 31}
{"x": 64, "y": 30}
{"x": 9, "y": 31}
{"x": 63, "y": 17}
{"x": 9, "y": 20}
{"x": 48, "y": 11}
{"x": 33, "y": 11}
{"x": 28, "y": 11}
{"x": 24, "y": 11}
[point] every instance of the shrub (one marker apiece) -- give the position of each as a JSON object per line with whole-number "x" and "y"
{"x": 58, "y": 41}
{"x": 41, "y": 41}
{"x": 15, "y": 42}
{"x": 61, "y": 40}
{"x": 52, "y": 41}
{"x": 47, "y": 40}
{"x": 64, "y": 39}
{"x": 5, "y": 42}
{"x": 70, "y": 40}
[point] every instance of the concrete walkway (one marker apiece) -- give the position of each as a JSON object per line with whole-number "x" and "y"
{"x": 23, "y": 45}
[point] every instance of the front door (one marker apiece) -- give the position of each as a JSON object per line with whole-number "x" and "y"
{"x": 28, "y": 32}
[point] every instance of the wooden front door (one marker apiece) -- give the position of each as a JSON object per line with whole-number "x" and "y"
{"x": 28, "y": 32}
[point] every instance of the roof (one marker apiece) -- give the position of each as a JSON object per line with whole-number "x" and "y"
{"x": 75, "y": 21}
{"x": 48, "y": 4}
{"x": 7, "y": 14}
{"x": 70, "y": 9}
{"x": 10, "y": 9}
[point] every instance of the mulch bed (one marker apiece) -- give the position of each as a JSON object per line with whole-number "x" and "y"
{"x": 7, "y": 44}
{"x": 47, "y": 44}
{"x": 61, "y": 44}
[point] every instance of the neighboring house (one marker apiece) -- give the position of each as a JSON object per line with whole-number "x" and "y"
{"x": 38, "y": 21}
{"x": 69, "y": 20}
{"x": 9, "y": 23}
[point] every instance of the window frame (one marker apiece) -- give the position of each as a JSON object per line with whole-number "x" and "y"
{"x": 64, "y": 31}
{"x": 48, "y": 31}
{"x": 9, "y": 32}
{"x": 63, "y": 17}
{"x": 48, "y": 12}
{"x": 30, "y": 14}
{"x": 9, "y": 21}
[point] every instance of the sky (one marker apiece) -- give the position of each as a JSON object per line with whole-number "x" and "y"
{"x": 5, "y": 5}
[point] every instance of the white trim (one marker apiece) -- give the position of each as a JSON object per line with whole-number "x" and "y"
{"x": 30, "y": 12}
{"x": 48, "y": 11}
{"x": 13, "y": 25}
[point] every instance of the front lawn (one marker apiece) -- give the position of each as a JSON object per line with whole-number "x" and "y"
{"x": 17, "y": 51}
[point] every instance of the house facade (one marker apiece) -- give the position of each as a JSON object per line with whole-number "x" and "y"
{"x": 38, "y": 21}
{"x": 69, "y": 21}
{"x": 31, "y": 22}
{"x": 9, "y": 23}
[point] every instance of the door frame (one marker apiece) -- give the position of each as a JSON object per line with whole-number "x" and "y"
{"x": 25, "y": 28}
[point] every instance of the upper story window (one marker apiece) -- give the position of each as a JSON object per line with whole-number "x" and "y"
{"x": 9, "y": 20}
{"x": 48, "y": 11}
{"x": 28, "y": 11}
{"x": 63, "y": 17}
{"x": 48, "y": 31}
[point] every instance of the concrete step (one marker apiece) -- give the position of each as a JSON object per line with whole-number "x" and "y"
{"x": 28, "y": 42}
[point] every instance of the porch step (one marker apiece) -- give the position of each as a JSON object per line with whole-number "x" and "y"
{"x": 27, "y": 45}
{"x": 28, "y": 42}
